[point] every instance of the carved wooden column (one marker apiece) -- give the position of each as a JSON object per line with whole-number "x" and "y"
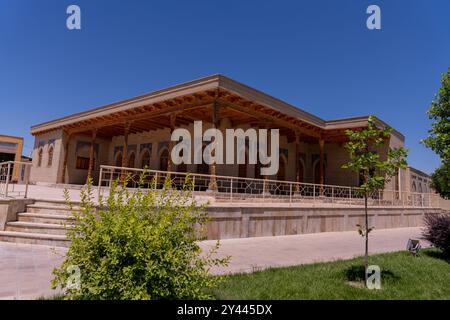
{"x": 297, "y": 162}
{"x": 213, "y": 166}
{"x": 173, "y": 119}
{"x": 66, "y": 156}
{"x": 321, "y": 164}
{"x": 126, "y": 131}
{"x": 91, "y": 154}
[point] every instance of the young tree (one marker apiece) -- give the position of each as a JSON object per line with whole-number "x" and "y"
{"x": 439, "y": 135}
{"x": 363, "y": 147}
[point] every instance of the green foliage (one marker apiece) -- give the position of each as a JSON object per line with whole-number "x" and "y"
{"x": 439, "y": 136}
{"x": 439, "y": 112}
{"x": 363, "y": 148}
{"x": 362, "y": 230}
{"x": 139, "y": 244}
{"x": 440, "y": 180}
{"x": 437, "y": 231}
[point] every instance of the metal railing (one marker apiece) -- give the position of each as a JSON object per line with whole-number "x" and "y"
{"x": 13, "y": 173}
{"x": 236, "y": 189}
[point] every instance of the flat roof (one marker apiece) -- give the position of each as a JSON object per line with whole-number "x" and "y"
{"x": 207, "y": 83}
{"x": 10, "y": 137}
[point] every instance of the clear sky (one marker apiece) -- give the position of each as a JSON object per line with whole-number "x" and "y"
{"x": 316, "y": 55}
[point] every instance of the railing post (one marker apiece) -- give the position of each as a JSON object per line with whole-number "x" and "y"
{"x": 100, "y": 183}
{"x": 156, "y": 180}
{"x": 111, "y": 176}
{"x": 231, "y": 189}
{"x": 7, "y": 179}
{"x": 264, "y": 189}
{"x": 314, "y": 193}
{"x": 350, "y": 194}
{"x": 290, "y": 192}
{"x": 27, "y": 179}
{"x": 332, "y": 194}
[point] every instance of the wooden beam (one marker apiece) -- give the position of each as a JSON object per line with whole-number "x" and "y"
{"x": 322, "y": 163}
{"x": 172, "y": 120}
{"x": 212, "y": 186}
{"x": 126, "y": 130}
{"x": 91, "y": 155}
{"x": 140, "y": 116}
{"x": 261, "y": 115}
{"x": 66, "y": 156}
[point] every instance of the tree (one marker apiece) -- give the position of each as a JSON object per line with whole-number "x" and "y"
{"x": 440, "y": 180}
{"x": 439, "y": 135}
{"x": 138, "y": 245}
{"x": 363, "y": 148}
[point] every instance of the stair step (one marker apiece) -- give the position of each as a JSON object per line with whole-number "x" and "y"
{"x": 55, "y": 203}
{"x": 33, "y": 227}
{"x": 39, "y": 208}
{"x": 34, "y": 238}
{"x": 45, "y": 218}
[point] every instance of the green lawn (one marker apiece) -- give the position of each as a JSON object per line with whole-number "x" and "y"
{"x": 403, "y": 277}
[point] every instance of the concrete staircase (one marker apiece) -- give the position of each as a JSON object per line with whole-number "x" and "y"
{"x": 44, "y": 223}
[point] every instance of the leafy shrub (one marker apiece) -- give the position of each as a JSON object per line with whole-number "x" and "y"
{"x": 139, "y": 245}
{"x": 437, "y": 231}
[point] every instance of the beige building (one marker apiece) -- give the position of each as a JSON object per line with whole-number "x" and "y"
{"x": 136, "y": 133}
{"x": 11, "y": 150}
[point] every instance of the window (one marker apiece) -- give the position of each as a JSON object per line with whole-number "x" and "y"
{"x": 83, "y": 163}
{"x": 203, "y": 168}
{"x": 163, "y": 159}
{"x": 131, "y": 160}
{"x": 50, "y": 157}
{"x": 317, "y": 173}
{"x": 281, "y": 175}
{"x": 182, "y": 166}
{"x": 40, "y": 158}
{"x": 145, "y": 162}
{"x": 119, "y": 159}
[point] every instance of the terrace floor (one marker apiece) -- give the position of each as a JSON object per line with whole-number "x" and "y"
{"x": 56, "y": 193}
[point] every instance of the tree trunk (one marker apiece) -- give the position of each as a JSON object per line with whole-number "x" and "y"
{"x": 366, "y": 254}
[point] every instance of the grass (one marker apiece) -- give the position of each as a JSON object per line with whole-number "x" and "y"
{"x": 403, "y": 276}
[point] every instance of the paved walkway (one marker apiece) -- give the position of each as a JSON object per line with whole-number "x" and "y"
{"x": 25, "y": 270}
{"x": 251, "y": 254}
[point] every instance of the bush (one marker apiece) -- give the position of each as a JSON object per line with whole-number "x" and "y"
{"x": 440, "y": 180}
{"x": 138, "y": 245}
{"x": 437, "y": 231}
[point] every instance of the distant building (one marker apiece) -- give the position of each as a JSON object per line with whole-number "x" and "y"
{"x": 418, "y": 181}
{"x": 11, "y": 150}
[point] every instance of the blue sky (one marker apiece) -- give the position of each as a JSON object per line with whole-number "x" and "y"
{"x": 316, "y": 55}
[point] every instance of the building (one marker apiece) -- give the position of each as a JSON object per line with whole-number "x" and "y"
{"x": 11, "y": 150}
{"x": 136, "y": 133}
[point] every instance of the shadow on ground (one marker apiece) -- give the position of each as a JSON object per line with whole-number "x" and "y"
{"x": 356, "y": 274}
{"x": 437, "y": 254}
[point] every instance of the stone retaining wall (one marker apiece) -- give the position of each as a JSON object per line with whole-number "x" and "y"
{"x": 240, "y": 222}
{"x": 9, "y": 209}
